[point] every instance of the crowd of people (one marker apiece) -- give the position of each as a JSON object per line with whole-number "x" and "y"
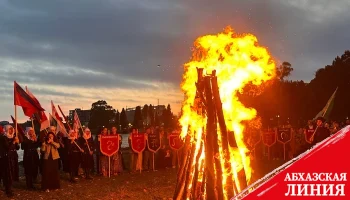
{"x": 75, "y": 154}
{"x": 79, "y": 155}
{"x": 299, "y": 142}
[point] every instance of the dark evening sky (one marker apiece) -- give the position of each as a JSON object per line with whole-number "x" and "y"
{"x": 77, "y": 52}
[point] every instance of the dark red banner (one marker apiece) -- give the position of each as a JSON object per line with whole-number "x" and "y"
{"x": 284, "y": 135}
{"x": 269, "y": 137}
{"x": 175, "y": 142}
{"x": 109, "y": 144}
{"x": 153, "y": 141}
{"x": 138, "y": 142}
{"x": 320, "y": 173}
{"x": 308, "y": 134}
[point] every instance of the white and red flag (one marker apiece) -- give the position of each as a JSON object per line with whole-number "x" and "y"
{"x": 58, "y": 124}
{"x": 76, "y": 122}
{"x": 55, "y": 113}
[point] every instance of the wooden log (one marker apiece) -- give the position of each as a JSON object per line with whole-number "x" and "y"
{"x": 230, "y": 186}
{"x": 217, "y": 162}
{"x": 242, "y": 179}
{"x": 186, "y": 149}
{"x": 183, "y": 168}
{"x": 189, "y": 171}
{"x": 196, "y": 184}
{"x": 209, "y": 141}
{"x": 204, "y": 184}
{"x": 180, "y": 188}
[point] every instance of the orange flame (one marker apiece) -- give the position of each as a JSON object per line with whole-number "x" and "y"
{"x": 238, "y": 60}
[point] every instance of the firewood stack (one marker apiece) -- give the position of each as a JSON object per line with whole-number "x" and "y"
{"x": 201, "y": 177}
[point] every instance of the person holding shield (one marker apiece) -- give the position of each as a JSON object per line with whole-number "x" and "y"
{"x": 104, "y": 165}
{"x": 117, "y": 160}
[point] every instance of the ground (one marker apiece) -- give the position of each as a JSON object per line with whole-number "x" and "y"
{"x": 158, "y": 185}
{"x": 147, "y": 185}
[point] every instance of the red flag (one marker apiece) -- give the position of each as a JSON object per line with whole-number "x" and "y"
{"x": 21, "y": 136}
{"x": 40, "y": 116}
{"x": 21, "y": 98}
{"x": 55, "y": 113}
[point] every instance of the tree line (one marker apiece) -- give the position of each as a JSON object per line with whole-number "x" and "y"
{"x": 295, "y": 102}
{"x": 103, "y": 114}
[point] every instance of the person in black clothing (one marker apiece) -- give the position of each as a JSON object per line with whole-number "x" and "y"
{"x": 321, "y": 132}
{"x": 5, "y": 174}
{"x": 97, "y": 150}
{"x": 147, "y": 154}
{"x": 30, "y": 157}
{"x": 74, "y": 155}
{"x": 12, "y": 152}
{"x": 87, "y": 144}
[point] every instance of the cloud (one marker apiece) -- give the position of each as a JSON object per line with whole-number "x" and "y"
{"x": 77, "y": 52}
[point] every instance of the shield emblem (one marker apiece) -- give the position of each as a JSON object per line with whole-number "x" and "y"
{"x": 308, "y": 135}
{"x": 153, "y": 141}
{"x": 175, "y": 142}
{"x": 138, "y": 142}
{"x": 284, "y": 135}
{"x": 256, "y": 136}
{"x": 109, "y": 144}
{"x": 269, "y": 138}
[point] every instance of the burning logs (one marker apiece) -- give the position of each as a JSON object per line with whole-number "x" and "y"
{"x": 207, "y": 170}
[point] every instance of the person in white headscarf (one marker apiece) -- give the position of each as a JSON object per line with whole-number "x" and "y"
{"x": 87, "y": 144}
{"x": 74, "y": 152}
{"x": 50, "y": 175}
{"x": 53, "y": 129}
{"x": 12, "y": 154}
{"x": 5, "y": 171}
{"x": 30, "y": 157}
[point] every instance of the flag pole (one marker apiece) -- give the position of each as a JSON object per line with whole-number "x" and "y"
{"x": 65, "y": 118}
{"x": 32, "y": 123}
{"x": 109, "y": 166}
{"x": 153, "y": 161}
{"x": 327, "y": 106}
{"x": 16, "y": 121}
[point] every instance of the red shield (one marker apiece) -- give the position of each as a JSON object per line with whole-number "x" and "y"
{"x": 284, "y": 135}
{"x": 308, "y": 135}
{"x": 175, "y": 142}
{"x": 138, "y": 142}
{"x": 269, "y": 137}
{"x": 109, "y": 144}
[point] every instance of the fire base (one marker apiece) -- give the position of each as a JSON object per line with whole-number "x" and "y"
{"x": 205, "y": 166}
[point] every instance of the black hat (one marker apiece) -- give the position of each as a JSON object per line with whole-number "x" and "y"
{"x": 321, "y": 118}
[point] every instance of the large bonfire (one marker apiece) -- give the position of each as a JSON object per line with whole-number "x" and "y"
{"x": 216, "y": 164}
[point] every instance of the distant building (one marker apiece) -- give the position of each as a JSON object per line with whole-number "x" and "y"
{"x": 84, "y": 116}
{"x": 158, "y": 110}
{"x": 4, "y": 123}
{"x": 130, "y": 113}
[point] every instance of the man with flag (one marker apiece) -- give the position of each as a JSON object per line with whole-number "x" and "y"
{"x": 321, "y": 131}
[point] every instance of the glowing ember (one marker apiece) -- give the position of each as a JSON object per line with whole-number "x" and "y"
{"x": 238, "y": 60}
